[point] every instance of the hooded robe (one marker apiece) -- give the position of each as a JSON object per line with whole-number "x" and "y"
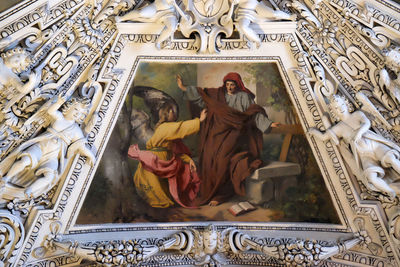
{"x": 230, "y": 139}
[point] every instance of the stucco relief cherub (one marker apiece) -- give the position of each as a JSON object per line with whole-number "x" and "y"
{"x": 35, "y": 167}
{"x": 391, "y": 81}
{"x": 374, "y": 160}
{"x": 13, "y": 87}
{"x": 160, "y": 11}
{"x": 209, "y": 246}
{"x": 250, "y": 11}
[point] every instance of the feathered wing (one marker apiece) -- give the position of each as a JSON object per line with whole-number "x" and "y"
{"x": 223, "y": 240}
{"x": 140, "y": 125}
{"x": 198, "y": 244}
{"x": 154, "y": 99}
{"x": 370, "y": 110}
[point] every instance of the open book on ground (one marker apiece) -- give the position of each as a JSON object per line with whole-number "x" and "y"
{"x": 240, "y": 208}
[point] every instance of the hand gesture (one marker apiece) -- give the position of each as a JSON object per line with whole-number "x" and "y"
{"x": 275, "y": 125}
{"x": 180, "y": 83}
{"x": 90, "y": 157}
{"x": 313, "y": 132}
{"x": 35, "y": 77}
{"x": 203, "y": 115}
{"x": 133, "y": 151}
{"x": 357, "y": 136}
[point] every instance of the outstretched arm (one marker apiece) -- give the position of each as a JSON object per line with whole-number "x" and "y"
{"x": 80, "y": 147}
{"x": 203, "y": 115}
{"x": 34, "y": 79}
{"x": 328, "y": 135}
{"x": 191, "y": 92}
{"x": 180, "y": 84}
{"x": 88, "y": 153}
{"x": 181, "y": 129}
{"x": 228, "y": 17}
{"x": 53, "y": 109}
{"x": 364, "y": 122}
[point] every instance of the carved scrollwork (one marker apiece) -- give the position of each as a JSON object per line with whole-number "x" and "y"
{"x": 394, "y": 227}
{"x": 378, "y": 35}
{"x": 365, "y": 239}
{"x": 208, "y": 21}
{"x": 12, "y": 235}
{"x": 209, "y": 246}
{"x": 352, "y": 52}
{"x": 293, "y": 252}
{"x": 115, "y": 253}
{"x": 37, "y": 67}
{"x": 22, "y": 208}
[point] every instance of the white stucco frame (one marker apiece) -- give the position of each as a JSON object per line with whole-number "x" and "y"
{"x": 283, "y": 42}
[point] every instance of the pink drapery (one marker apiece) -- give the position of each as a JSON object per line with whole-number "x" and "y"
{"x": 184, "y": 184}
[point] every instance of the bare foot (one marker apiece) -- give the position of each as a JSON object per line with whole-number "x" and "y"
{"x": 213, "y": 203}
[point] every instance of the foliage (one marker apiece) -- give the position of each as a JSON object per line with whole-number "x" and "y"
{"x": 95, "y": 198}
{"x": 272, "y": 145}
{"x": 309, "y": 200}
{"x": 272, "y": 83}
{"x": 162, "y": 76}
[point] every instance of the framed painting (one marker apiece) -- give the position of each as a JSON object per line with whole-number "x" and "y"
{"x": 269, "y": 90}
{"x": 166, "y": 133}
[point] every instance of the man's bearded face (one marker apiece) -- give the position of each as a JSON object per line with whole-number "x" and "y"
{"x": 231, "y": 87}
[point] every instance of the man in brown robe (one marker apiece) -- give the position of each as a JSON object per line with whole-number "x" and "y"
{"x": 230, "y": 137}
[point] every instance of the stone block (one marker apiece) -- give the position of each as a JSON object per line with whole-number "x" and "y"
{"x": 276, "y": 169}
{"x": 271, "y": 181}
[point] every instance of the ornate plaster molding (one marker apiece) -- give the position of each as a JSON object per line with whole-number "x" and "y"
{"x": 71, "y": 53}
{"x": 208, "y": 21}
{"x": 12, "y": 235}
{"x": 205, "y": 247}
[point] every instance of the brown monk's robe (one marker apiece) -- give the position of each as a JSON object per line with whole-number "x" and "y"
{"x": 230, "y": 146}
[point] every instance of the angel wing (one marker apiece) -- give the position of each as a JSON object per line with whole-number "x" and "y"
{"x": 223, "y": 242}
{"x": 154, "y": 100}
{"x": 386, "y": 80}
{"x": 369, "y": 108}
{"x": 198, "y": 239}
{"x": 140, "y": 125}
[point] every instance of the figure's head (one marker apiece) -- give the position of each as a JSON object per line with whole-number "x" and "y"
{"x": 231, "y": 87}
{"x": 210, "y": 239}
{"x": 17, "y": 59}
{"x": 76, "y": 109}
{"x": 339, "y": 106}
{"x": 392, "y": 58}
{"x": 166, "y": 113}
{"x": 233, "y": 83}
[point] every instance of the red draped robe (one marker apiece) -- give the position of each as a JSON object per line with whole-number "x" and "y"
{"x": 230, "y": 147}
